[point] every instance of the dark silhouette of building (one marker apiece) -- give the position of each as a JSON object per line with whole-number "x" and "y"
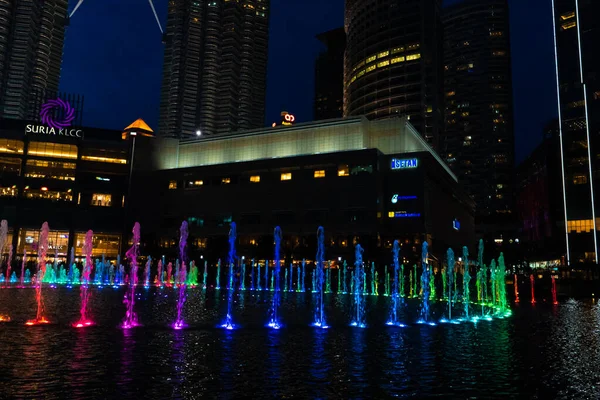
{"x": 577, "y": 34}
{"x": 215, "y": 65}
{"x": 393, "y": 62}
{"x": 32, "y": 35}
{"x": 478, "y": 141}
{"x": 329, "y": 76}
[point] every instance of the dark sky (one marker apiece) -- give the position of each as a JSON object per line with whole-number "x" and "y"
{"x": 113, "y": 56}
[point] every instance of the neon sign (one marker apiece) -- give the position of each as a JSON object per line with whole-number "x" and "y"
{"x": 396, "y": 198}
{"x": 404, "y": 214}
{"x": 48, "y": 117}
{"x": 406, "y": 163}
{"x": 456, "y": 224}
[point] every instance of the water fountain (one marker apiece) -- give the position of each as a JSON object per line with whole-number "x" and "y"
{"x": 501, "y": 286}
{"x": 516, "y": 287}
{"x": 396, "y": 299}
{"x": 425, "y": 287}
{"x": 466, "y": 281}
{"x": 169, "y": 273}
{"x": 554, "y": 301}
{"x": 319, "y": 260}
{"x": 372, "y": 278}
{"x": 8, "y": 263}
{"x": 147, "y": 271}
{"x": 285, "y": 279}
{"x": 205, "y": 275}
{"x": 415, "y": 281}
{"x": 344, "y": 287}
{"x": 228, "y": 324}
{"x": 84, "y": 321}
{"x": 131, "y": 319}
{"x": 387, "y": 282}
{"x": 3, "y": 239}
{"x": 258, "y": 287}
{"x": 243, "y": 275}
{"x": 183, "y": 236}
{"x": 299, "y": 287}
{"x": 42, "y": 250}
{"x": 401, "y": 279}
{"x": 274, "y": 320}
{"x": 451, "y": 264}
{"x": 328, "y": 278}
{"x": 218, "y": 279}
{"x": 483, "y": 271}
{"x": 303, "y": 275}
{"x": 159, "y": 272}
{"x": 358, "y": 319}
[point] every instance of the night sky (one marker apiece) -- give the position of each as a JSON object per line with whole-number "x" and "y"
{"x": 113, "y": 56}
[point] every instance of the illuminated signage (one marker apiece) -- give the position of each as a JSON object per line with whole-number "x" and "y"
{"x": 288, "y": 119}
{"x": 456, "y": 225}
{"x": 54, "y": 125}
{"x": 396, "y": 198}
{"x": 406, "y": 163}
{"x": 404, "y": 214}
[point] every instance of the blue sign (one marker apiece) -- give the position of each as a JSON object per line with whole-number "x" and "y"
{"x": 406, "y": 215}
{"x": 406, "y": 163}
{"x": 456, "y": 225}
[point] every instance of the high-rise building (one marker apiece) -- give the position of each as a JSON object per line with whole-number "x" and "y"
{"x": 329, "y": 76}
{"x": 32, "y": 35}
{"x": 215, "y": 66}
{"x": 393, "y": 62}
{"x": 576, "y": 35}
{"x": 478, "y": 140}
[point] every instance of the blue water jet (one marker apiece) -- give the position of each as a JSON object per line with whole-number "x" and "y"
{"x": 231, "y": 282}
{"x": 451, "y": 262}
{"x": 274, "y": 321}
{"x": 319, "y": 306}
{"x": 359, "y": 306}
{"x": 396, "y": 299}
{"x": 425, "y": 276}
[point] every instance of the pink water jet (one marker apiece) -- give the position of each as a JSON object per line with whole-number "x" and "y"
{"x": 516, "y": 289}
{"x": 88, "y": 245}
{"x": 532, "y": 280}
{"x": 42, "y": 250}
{"x": 554, "y": 301}
{"x": 10, "y": 255}
{"x": 131, "y": 319}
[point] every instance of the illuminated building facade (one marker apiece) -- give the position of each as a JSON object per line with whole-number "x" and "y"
{"x": 393, "y": 62}
{"x": 31, "y": 48}
{"x": 329, "y": 76}
{"x": 577, "y": 34}
{"x": 75, "y": 181}
{"x": 478, "y": 140}
{"x": 368, "y": 182}
{"x": 215, "y": 66}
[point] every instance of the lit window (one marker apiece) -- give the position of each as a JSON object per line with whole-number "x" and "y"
{"x": 286, "y": 176}
{"x": 413, "y": 57}
{"x": 11, "y": 146}
{"x": 391, "y": 214}
{"x": 568, "y": 15}
{"x": 10, "y": 191}
{"x": 398, "y": 50}
{"x": 383, "y": 54}
{"x": 57, "y": 150}
{"x": 50, "y": 170}
{"x": 370, "y": 59}
{"x": 383, "y": 64}
{"x": 320, "y": 173}
{"x": 196, "y": 183}
{"x": 568, "y": 25}
{"x": 397, "y": 60}
{"x": 101, "y": 200}
{"x": 371, "y": 68}
{"x": 45, "y": 193}
{"x": 104, "y": 159}
{"x": 343, "y": 171}
{"x": 496, "y": 33}
{"x": 172, "y": 185}
{"x": 226, "y": 181}
{"x": 498, "y": 53}
{"x": 580, "y": 180}
{"x": 429, "y": 109}
{"x": 450, "y": 94}
{"x": 255, "y": 178}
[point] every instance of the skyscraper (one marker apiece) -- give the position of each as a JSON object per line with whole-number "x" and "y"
{"x": 214, "y": 73}
{"x": 576, "y": 35}
{"x": 478, "y": 141}
{"x": 329, "y": 76}
{"x": 32, "y": 35}
{"x": 393, "y": 62}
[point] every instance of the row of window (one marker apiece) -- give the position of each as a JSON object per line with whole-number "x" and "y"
{"x": 98, "y": 199}
{"x": 342, "y": 171}
{"x": 60, "y": 150}
{"x": 580, "y": 226}
{"x": 385, "y": 64}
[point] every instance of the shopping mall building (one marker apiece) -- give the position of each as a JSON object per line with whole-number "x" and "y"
{"x": 367, "y": 182}
{"x": 75, "y": 179}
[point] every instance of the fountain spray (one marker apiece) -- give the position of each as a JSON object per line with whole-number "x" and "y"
{"x": 131, "y": 319}
{"x": 183, "y": 236}
{"x": 231, "y": 281}
{"x": 344, "y": 287}
{"x": 466, "y": 281}
{"x": 42, "y": 250}
{"x": 274, "y": 321}
{"x": 451, "y": 276}
{"x": 358, "y": 281}
{"x": 8, "y": 263}
{"x": 83, "y": 289}
{"x": 258, "y": 287}
{"x": 395, "y": 297}
{"x": 425, "y": 284}
{"x": 319, "y": 305}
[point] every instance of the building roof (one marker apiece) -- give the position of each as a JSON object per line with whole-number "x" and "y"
{"x": 390, "y": 136}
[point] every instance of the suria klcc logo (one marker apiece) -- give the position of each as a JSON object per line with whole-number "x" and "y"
{"x": 48, "y": 111}
{"x": 53, "y": 125}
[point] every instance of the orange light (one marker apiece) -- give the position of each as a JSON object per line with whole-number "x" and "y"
{"x": 44, "y": 189}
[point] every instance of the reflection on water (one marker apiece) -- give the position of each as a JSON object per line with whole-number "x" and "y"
{"x": 542, "y": 351}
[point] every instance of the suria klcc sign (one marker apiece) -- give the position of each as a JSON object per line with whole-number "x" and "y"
{"x": 52, "y": 125}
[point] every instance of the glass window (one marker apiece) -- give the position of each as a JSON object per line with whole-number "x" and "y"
{"x": 113, "y": 156}
{"x": 47, "y": 194}
{"x": 320, "y": 173}
{"x": 56, "y": 150}
{"x": 580, "y": 179}
{"x": 413, "y": 57}
{"x": 10, "y": 166}
{"x": 370, "y": 59}
{"x": 383, "y": 64}
{"x": 255, "y": 178}
{"x": 193, "y": 184}
{"x": 383, "y": 54}
{"x": 101, "y": 200}
{"x": 398, "y": 50}
{"x": 11, "y": 146}
{"x": 286, "y": 176}
{"x": 569, "y": 15}
{"x": 396, "y": 60}
{"x": 58, "y": 243}
{"x": 9, "y": 191}
{"x": 343, "y": 170}
{"x": 105, "y": 244}
{"x": 172, "y": 185}
{"x": 50, "y": 170}
{"x": 226, "y": 181}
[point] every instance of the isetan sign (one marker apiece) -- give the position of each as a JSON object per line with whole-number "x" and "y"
{"x": 408, "y": 163}
{"x": 46, "y": 130}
